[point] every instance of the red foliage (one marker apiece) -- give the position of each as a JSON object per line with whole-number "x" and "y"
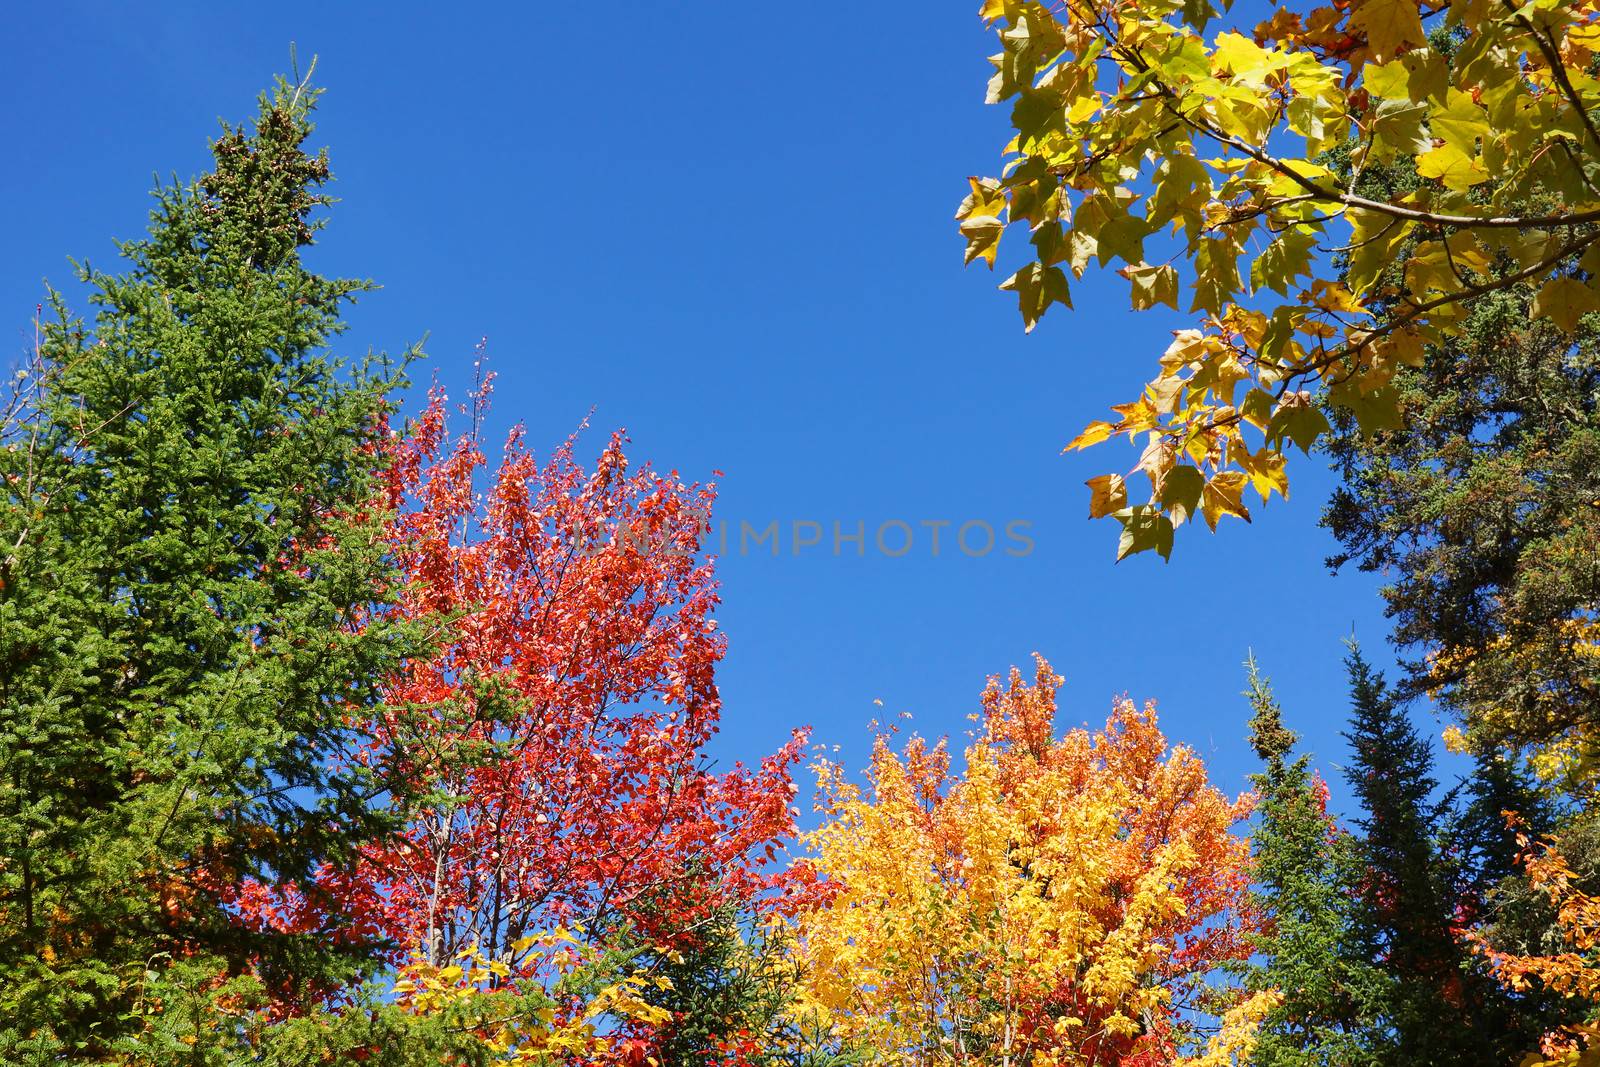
{"x": 561, "y": 721}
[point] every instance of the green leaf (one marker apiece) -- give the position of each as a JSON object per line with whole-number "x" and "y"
{"x": 1144, "y": 528}
{"x": 1037, "y": 113}
{"x": 1217, "y": 269}
{"x": 1374, "y": 409}
{"x": 1300, "y": 423}
{"x": 1257, "y": 408}
{"x": 1198, "y": 13}
{"x": 1184, "y": 58}
{"x": 1037, "y": 287}
{"x": 1279, "y": 332}
{"x": 1372, "y": 236}
{"x": 1122, "y": 237}
{"x": 1180, "y": 492}
{"x": 1182, "y": 187}
{"x": 1287, "y": 258}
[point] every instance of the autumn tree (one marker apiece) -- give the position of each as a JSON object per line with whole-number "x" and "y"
{"x": 1064, "y": 900}
{"x": 556, "y": 736}
{"x": 1560, "y": 970}
{"x": 191, "y": 551}
{"x": 1199, "y": 158}
{"x": 1305, "y": 876}
{"x": 1506, "y": 898}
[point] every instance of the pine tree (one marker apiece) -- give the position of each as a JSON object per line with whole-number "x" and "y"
{"x": 1437, "y": 1005}
{"x": 187, "y": 602}
{"x": 1303, "y": 868}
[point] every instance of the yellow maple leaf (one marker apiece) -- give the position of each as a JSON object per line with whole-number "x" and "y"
{"x": 1389, "y": 24}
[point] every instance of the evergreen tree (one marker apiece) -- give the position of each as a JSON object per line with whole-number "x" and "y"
{"x": 1481, "y": 510}
{"x": 1303, "y": 875}
{"x": 1501, "y": 798}
{"x": 1437, "y": 1004}
{"x": 1505, "y": 911}
{"x": 730, "y": 987}
{"x": 187, "y": 603}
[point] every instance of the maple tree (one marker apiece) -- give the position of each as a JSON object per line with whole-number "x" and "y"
{"x": 1065, "y": 900}
{"x": 557, "y": 734}
{"x": 1223, "y": 169}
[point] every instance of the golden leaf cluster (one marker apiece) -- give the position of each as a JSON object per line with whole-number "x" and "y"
{"x": 1202, "y": 160}
{"x": 1062, "y": 898}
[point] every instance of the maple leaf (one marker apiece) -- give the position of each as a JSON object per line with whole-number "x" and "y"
{"x": 1389, "y": 25}
{"x": 1222, "y": 169}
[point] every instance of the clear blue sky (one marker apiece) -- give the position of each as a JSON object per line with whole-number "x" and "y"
{"x": 728, "y": 228}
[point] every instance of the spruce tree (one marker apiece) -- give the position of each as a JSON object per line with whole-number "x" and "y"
{"x": 731, "y": 987}
{"x": 1501, "y": 799}
{"x": 189, "y": 591}
{"x": 724, "y": 991}
{"x": 1303, "y": 869}
{"x": 1438, "y": 1006}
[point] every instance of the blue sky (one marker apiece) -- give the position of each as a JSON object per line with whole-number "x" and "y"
{"x": 727, "y": 228}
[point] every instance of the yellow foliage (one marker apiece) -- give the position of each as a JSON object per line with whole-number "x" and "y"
{"x": 552, "y": 1033}
{"x": 1156, "y": 139}
{"x": 1236, "y": 1038}
{"x": 1063, "y": 898}
{"x": 1553, "y": 668}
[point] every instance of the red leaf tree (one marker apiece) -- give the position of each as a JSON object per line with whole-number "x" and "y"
{"x": 558, "y": 731}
